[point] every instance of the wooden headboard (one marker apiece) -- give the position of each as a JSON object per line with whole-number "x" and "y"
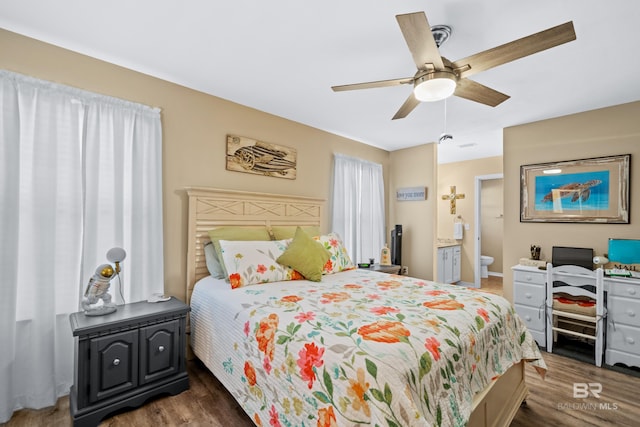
{"x": 211, "y": 208}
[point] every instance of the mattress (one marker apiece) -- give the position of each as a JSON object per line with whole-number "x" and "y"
{"x": 359, "y": 348}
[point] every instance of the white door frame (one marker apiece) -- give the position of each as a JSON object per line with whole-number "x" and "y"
{"x": 478, "y": 232}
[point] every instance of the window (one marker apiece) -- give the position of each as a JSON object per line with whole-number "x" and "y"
{"x": 358, "y": 206}
{"x": 79, "y": 173}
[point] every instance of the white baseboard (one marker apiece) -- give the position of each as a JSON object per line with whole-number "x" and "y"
{"x": 493, "y": 273}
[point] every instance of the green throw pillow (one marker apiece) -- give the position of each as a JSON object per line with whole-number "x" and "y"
{"x": 235, "y": 233}
{"x": 281, "y": 232}
{"x": 305, "y": 255}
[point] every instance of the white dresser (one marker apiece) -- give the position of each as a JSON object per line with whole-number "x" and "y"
{"x": 529, "y": 295}
{"x": 622, "y": 343}
{"x": 623, "y": 321}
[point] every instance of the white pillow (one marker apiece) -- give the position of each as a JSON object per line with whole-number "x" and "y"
{"x": 254, "y": 262}
{"x": 211, "y": 258}
{"x": 339, "y": 260}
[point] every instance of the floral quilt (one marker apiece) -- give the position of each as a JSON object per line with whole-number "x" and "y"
{"x": 366, "y": 348}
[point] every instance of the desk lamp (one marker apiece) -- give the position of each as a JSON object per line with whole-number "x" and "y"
{"x": 98, "y": 286}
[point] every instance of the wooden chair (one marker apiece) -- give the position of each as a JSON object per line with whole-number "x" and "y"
{"x": 575, "y": 305}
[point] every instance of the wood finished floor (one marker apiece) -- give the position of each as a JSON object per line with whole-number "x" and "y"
{"x": 492, "y": 284}
{"x": 549, "y": 403}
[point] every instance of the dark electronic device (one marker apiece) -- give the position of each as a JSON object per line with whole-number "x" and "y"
{"x": 564, "y": 255}
{"x": 396, "y": 245}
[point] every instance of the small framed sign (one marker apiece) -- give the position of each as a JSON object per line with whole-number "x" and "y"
{"x": 411, "y": 193}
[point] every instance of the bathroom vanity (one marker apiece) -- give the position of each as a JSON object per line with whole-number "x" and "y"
{"x": 448, "y": 265}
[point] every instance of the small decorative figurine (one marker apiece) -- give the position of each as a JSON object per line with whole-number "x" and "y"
{"x": 385, "y": 255}
{"x": 98, "y": 287}
{"x": 535, "y": 252}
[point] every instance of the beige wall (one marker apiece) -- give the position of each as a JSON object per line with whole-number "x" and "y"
{"x": 415, "y": 167}
{"x": 462, "y": 175}
{"x": 195, "y": 126}
{"x": 603, "y": 132}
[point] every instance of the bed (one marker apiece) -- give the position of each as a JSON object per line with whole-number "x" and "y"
{"x": 356, "y": 348}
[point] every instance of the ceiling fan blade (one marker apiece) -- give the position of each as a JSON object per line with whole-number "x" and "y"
{"x": 369, "y": 85}
{"x": 417, "y": 33}
{"x": 516, "y": 49}
{"x": 474, "y": 91}
{"x": 408, "y": 106}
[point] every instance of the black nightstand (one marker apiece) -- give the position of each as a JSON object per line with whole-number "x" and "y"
{"x": 124, "y": 358}
{"x": 391, "y": 269}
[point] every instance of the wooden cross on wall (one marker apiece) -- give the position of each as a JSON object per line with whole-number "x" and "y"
{"x": 452, "y": 197}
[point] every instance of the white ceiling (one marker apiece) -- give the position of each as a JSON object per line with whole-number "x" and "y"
{"x": 282, "y": 57}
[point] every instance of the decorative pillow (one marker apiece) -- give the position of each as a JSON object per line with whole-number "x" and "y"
{"x": 305, "y": 255}
{"x": 281, "y": 232}
{"x": 339, "y": 259}
{"x": 214, "y": 267}
{"x": 253, "y": 262}
{"x": 578, "y": 305}
{"x": 236, "y": 233}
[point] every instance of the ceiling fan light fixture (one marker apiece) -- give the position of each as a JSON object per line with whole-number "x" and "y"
{"x": 435, "y": 86}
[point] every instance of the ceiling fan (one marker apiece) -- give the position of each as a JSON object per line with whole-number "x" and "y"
{"x": 438, "y": 78}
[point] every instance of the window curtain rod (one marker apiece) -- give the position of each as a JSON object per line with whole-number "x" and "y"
{"x": 83, "y": 96}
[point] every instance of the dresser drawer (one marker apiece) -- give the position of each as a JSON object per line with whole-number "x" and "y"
{"x": 623, "y": 338}
{"x": 537, "y": 277}
{"x": 624, "y": 310}
{"x": 532, "y": 317}
{"x": 621, "y": 289}
{"x": 529, "y": 294}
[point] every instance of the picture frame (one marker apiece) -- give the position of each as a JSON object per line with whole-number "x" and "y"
{"x": 594, "y": 190}
{"x": 256, "y": 157}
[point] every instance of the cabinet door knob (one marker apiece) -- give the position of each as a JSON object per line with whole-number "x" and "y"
{"x": 631, "y": 340}
{"x": 527, "y": 295}
{"x": 631, "y": 313}
{"x": 528, "y": 278}
{"x": 161, "y": 348}
{"x": 631, "y": 291}
{"x": 527, "y": 318}
{"x": 116, "y": 362}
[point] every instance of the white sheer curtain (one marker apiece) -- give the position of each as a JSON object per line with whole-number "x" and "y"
{"x": 79, "y": 173}
{"x": 358, "y": 206}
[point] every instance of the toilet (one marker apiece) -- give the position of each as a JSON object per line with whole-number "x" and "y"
{"x": 485, "y": 262}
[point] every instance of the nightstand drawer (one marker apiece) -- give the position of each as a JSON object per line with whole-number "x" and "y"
{"x": 159, "y": 345}
{"x": 535, "y": 277}
{"x": 529, "y": 294}
{"x": 113, "y": 365}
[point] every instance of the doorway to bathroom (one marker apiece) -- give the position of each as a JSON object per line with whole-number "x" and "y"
{"x": 489, "y": 218}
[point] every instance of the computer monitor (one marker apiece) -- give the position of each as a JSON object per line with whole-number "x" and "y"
{"x": 564, "y": 255}
{"x": 624, "y": 251}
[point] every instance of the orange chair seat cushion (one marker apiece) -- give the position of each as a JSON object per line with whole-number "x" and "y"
{"x": 578, "y": 305}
